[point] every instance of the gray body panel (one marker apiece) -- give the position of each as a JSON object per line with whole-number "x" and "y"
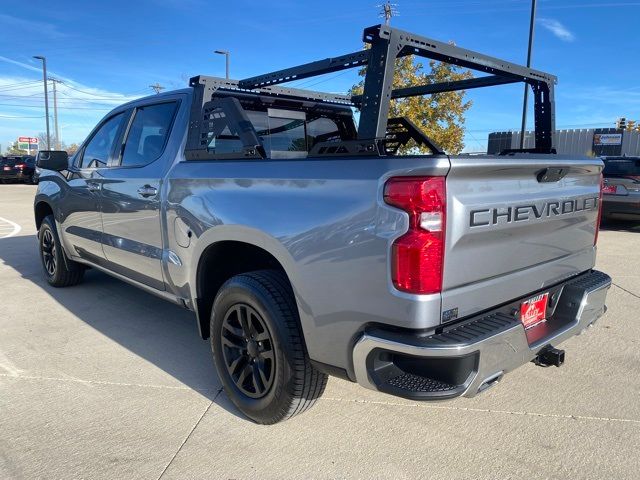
{"x": 326, "y": 223}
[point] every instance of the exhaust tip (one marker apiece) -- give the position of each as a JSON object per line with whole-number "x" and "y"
{"x": 490, "y": 381}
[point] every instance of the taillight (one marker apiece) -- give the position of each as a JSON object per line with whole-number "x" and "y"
{"x": 595, "y": 239}
{"x": 418, "y": 255}
{"x": 20, "y": 166}
{"x": 609, "y": 189}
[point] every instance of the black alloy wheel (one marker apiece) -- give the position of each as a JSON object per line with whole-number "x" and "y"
{"x": 259, "y": 349}
{"x": 49, "y": 259}
{"x": 248, "y": 350}
{"x": 58, "y": 269}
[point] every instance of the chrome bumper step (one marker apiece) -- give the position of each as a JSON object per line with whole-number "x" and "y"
{"x": 471, "y": 355}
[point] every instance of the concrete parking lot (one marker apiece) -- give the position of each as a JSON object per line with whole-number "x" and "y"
{"x": 105, "y": 381}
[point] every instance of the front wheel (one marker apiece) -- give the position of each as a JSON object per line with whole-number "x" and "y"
{"x": 259, "y": 350}
{"x": 59, "y": 270}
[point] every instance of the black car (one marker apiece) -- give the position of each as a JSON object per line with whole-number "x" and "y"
{"x": 621, "y": 189}
{"x": 21, "y": 168}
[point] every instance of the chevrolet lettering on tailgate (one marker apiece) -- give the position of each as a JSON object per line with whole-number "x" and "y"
{"x": 523, "y": 213}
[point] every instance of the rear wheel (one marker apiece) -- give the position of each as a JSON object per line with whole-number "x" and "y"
{"x": 58, "y": 269}
{"x": 259, "y": 350}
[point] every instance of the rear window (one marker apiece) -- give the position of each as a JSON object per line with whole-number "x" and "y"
{"x": 283, "y": 133}
{"x": 622, "y": 166}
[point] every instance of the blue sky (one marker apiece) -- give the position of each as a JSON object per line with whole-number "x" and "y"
{"x": 109, "y": 52}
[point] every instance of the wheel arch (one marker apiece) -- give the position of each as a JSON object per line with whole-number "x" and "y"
{"x": 226, "y": 257}
{"x": 41, "y": 209}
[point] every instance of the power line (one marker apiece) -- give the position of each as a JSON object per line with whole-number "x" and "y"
{"x": 34, "y": 96}
{"x": 19, "y": 87}
{"x": 12, "y": 116}
{"x": 307, "y": 84}
{"x": 98, "y": 95}
{"x": 17, "y": 84}
{"x": 66, "y": 108}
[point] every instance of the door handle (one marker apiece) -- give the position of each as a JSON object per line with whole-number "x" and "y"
{"x": 147, "y": 191}
{"x": 93, "y": 186}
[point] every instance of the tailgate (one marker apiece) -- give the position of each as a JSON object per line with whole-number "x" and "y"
{"x": 511, "y": 232}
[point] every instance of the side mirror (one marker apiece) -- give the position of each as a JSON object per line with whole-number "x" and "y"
{"x": 57, "y": 160}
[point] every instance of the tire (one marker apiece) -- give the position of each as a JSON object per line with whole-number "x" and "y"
{"x": 58, "y": 270}
{"x": 288, "y": 384}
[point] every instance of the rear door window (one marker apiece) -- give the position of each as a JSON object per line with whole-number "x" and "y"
{"x": 148, "y": 134}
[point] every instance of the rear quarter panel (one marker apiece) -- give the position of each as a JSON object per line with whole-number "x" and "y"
{"x": 324, "y": 220}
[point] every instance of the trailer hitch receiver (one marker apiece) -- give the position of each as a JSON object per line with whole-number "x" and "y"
{"x": 549, "y": 356}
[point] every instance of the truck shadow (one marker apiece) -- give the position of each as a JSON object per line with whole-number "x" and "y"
{"x": 620, "y": 225}
{"x": 155, "y": 330}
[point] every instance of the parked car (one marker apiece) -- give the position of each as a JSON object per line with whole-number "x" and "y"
{"x": 310, "y": 246}
{"x": 18, "y": 168}
{"x": 621, "y": 189}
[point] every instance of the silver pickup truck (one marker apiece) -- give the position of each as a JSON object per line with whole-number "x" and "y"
{"x": 307, "y": 246}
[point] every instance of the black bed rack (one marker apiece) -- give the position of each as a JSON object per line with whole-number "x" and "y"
{"x": 386, "y": 44}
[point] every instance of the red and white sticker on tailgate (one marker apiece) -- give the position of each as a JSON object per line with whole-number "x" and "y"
{"x": 534, "y": 310}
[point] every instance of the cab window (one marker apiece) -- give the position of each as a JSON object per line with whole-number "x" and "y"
{"x": 148, "y": 134}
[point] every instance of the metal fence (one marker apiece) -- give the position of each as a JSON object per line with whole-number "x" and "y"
{"x": 571, "y": 142}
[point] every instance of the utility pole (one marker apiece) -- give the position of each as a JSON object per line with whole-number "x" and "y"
{"x": 227, "y": 54}
{"x": 55, "y": 113}
{"x": 388, "y": 10}
{"x": 532, "y": 24}
{"x": 46, "y": 96}
{"x": 157, "y": 87}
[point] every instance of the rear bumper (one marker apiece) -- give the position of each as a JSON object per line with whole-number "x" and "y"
{"x": 13, "y": 175}
{"x": 466, "y": 358}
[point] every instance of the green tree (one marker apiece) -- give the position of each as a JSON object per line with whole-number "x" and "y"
{"x": 71, "y": 149}
{"x": 442, "y": 115}
{"x": 14, "y": 150}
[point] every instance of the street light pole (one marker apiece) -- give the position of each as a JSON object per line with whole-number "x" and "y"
{"x": 532, "y": 24}
{"x": 226, "y": 53}
{"x": 46, "y": 96}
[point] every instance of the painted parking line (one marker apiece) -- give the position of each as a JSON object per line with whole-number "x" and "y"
{"x": 8, "y": 228}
